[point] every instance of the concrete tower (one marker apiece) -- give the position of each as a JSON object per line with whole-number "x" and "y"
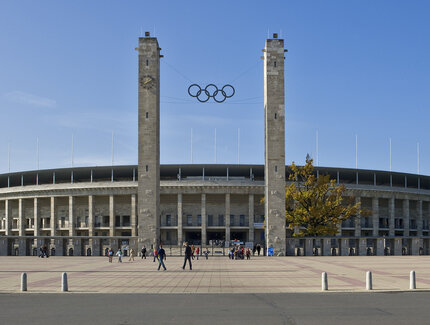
{"x": 274, "y": 124}
{"x": 149, "y": 141}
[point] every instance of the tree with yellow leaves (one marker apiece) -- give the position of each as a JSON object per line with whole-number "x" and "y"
{"x": 316, "y": 206}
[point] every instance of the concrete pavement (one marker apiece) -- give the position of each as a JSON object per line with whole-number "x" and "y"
{"x": 216, "y": 275}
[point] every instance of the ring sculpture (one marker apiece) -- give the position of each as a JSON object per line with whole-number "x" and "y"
{"x": 203, "y": 95}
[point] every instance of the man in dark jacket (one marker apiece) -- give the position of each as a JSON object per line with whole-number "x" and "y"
{"x": 161, "y": 256}
{"x": 187, "y": 256}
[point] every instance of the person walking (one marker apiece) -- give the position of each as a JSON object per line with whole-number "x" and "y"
{"x": 248, "y": 254}
{"x": 187, "y": 256}
{"x": 131, "y": 255}
{"x": 110, "y": 255}
{"x": 119, "y": 254}
{"x": 161, "y": 257}
{"x": 143, "y": 251}
{"x": 193, "y": 249}
{"x": 155, "y": 255}
{"x": 207, "y": 253}
{"x": 258, "y": 249}
{"x": 197, "y": 252}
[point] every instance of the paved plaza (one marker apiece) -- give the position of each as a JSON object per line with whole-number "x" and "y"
{"x": 215, "y": 275}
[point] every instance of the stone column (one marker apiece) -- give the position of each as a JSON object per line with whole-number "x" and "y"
{"x": 291, "y": 247}
{"x": 149, "y": 141}
{"x": 180, "y": 232}
{"x": 3, "y": 247}
{"x": 415, "y": 246}
{"x": 54, "y": 219}
{"x": 274, "y": 160}
{"x": 227, "y": 216}
{"x": 95, "y": 249}
{"x": 420, "y": 218}
{"x": 397, "y": 246}
{"x": 380, "y": 247}
{"x": 8, "y": 217}
{"x": 72, "y": 231}
{"x": 251, "y": 217}
{"x": 36, "y": 218}
{"x": 344, "y": 246}
{"x": 59, "y": 250}
{"x": 22, "y": 250}
{"x": 309, "y": 247}
{"x": 362, "y": 246}
{"x": 21, "y": 218}
{"x": 111, "y": 216}
{"x": 326, "y": 247}
{"x": 357, "y": 229}
{"x": 375, "y": 216}
{"x": 391, "y": 213}
{"x": 203, "y": 215}
{"x": 133, "y": 215}
{"x": 91, "y": 215}
{"x": 406, "y": 218}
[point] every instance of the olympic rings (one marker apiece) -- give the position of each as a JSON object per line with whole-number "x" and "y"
{"x": 211, "y": 90}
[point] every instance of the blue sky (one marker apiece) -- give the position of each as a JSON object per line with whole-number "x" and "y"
{"x": 353, "y": 67}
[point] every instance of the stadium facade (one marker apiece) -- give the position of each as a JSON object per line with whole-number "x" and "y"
{"x": 84, "y": 211}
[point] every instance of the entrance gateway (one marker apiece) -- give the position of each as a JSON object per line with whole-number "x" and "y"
{"x": 148, "y": 205}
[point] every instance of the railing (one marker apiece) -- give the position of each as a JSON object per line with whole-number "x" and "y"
{"x": 168, "y": 223}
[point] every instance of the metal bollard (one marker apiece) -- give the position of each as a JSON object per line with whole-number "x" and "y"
{"x": 368, "y": 280}
{"x": 24, "y": 281}
{"x": 412, "y": 281}
{"x": 64, "y": 285}
{"x": 324, "y": 282}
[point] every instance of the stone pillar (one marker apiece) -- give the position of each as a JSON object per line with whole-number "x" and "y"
{"x": 380, "y": 246}
{"x": 95, "y": 247}
{"x": 111, "y": 216}
{"x": 420, "y": 218}
{"x": 54, "y": 218}
{"x": 36, "y": 220}
{"x": 180, "y": 232}
{"x": 21, "y": 218}
{"x": 415, "y": 246}
{"x": 344, "y": 246}
{"x": 251, "y": 217}
{"x": 203, "y": 215}
{"x": 3, "y": 246}
{"x": 406, "y": 217}
{"x": 397, "y": 246}
{"x": 8, "y": 217}
{"x": 375, "y": 216}
{"x": 133, "y": 215}
{"x": 227, "y": 217}
{"x": 357, "y": 229}
{"x": 326, "y": 247}
{"x": 291, "y": 247}
{"x": 77, "y": 244}
{"x": 309, "y": 247}
{"x": 114, "y": 245}
{"x": 72, "y": 231}
{"x": 274, "y": 165}
{"x": 362, "y": 246}
{"x": 149, "y": 141}
{"x": 91, "y": 215}
{"x": 391, "y": 213}
{"x": 59, "y": 250}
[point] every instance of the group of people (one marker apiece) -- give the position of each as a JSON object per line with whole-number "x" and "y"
{"x": 43, "y": 251}
{"x": 120, "y": 254}
{"x": 239, "y": 253}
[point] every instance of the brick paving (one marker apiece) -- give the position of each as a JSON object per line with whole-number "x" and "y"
{"x": 216, "y": 275}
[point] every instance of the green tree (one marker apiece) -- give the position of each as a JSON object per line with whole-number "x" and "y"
{"x": 316, "y": 206}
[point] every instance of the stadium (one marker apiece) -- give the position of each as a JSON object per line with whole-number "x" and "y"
{"x": 84, "y": 211}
